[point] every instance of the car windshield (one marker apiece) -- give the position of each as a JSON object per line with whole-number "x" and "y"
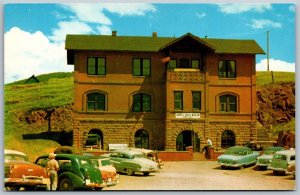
{"x": 269, "y": 151}
{"x": 105, "y": 162}
{"x": 138, "y": 156}
{"x": 280, "y": 156}
{"x": 236, "y": 152}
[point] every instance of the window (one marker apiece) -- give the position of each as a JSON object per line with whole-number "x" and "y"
{"x": 141, "y": 139}
{"x": 141, "y": 67}
{"x": 178, "y": 100}
{"x": 184, "y": 63}
{"x": 96, "y": 66}
{"x": 196, "y": 64}
{"x": 172, "y": 64}
{"x": 141, "y": 103}
{"x": 227, "y": 69}
{"x": 196, "y": 100}
{"x": 96, "y": 101}
{"x": 228, "y": 103}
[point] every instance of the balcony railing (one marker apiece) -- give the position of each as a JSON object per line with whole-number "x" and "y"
{"x": 185, "y": 75}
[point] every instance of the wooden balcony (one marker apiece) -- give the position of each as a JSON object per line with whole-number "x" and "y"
{"x": 185, "y": 75}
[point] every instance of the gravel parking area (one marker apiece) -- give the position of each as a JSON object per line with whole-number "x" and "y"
{"x": 205, "y": 175}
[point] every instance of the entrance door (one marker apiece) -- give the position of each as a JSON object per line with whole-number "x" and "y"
{"x": 187, "y": 138}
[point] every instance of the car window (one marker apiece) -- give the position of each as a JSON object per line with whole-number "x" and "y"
{"x": 293, "y": 157}
{"x": 65, "y": 163}
{"x": 114, "y": 154}
{"x": 138, "y": 156}
{"x": 42, "y": 161}
{"x": 84, "y": 162}
{"x": 105, "y": 162}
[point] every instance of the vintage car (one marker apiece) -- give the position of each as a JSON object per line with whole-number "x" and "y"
{"x": 150, "y": 154}
{"x": 265, "y": 158}
{"x": 109, "y": 172}
{"x": 19, "y": 173}
{"x": 292, "y": 168}
{"x": 131, "y": 162}
{"x": 238, "y": 156}
{"x": 75, "y": 172}
{"x": 281, "y": 160}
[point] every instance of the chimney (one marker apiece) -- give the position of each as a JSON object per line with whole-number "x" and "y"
{"x": 154, "y": 34}
{"x": 114, "y": 33}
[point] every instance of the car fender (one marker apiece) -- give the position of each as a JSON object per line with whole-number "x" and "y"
{"x": 76, "y": 180}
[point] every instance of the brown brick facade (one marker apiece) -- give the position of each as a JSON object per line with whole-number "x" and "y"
{"x": 164, "y": 126}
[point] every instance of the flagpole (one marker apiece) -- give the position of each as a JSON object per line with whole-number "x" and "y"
{"x": 268, "y": 52}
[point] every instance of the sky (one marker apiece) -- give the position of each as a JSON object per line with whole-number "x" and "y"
{"x": 34, "y": 34}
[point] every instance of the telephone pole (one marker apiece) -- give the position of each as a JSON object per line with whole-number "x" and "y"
{"x": 268, "y": 52}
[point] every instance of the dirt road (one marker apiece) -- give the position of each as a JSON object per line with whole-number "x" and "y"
{"x": 205, "y": 175}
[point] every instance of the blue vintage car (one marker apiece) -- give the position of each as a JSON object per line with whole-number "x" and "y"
{"x": 264, "y": 160}
{"x": 238, "y": 156}
{"x": 131, "y": 162}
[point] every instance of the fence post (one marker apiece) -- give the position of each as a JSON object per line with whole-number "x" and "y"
{"x": 272, "y": 76}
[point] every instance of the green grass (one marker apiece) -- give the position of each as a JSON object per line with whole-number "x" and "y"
{"x": 265, "y": 77}
{"x": 54, "y": 90}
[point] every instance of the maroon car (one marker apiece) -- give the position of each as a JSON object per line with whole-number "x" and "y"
{"x": 19, "y": 173}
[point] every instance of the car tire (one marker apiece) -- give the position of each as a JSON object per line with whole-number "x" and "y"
{"x": 146, "y": 173}
{"x": 129, "y": 172}
{"x": 66, "y": 185}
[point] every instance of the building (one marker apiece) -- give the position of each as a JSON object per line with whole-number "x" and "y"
{"x": 163, "y": 93}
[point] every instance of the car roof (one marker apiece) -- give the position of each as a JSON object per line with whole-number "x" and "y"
{"x": 8, "y": 151}
{"x": 289, "y": 152}
{"x": 128, "y": 151}
{"x": 238, "y": 148}
{"x": 143, "y": 150}
{"x": 66, "y": 156}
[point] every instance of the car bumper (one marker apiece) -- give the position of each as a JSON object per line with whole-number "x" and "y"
{"x": 230, "y": 165}
{"x": 26, "y": 181}
{"x": 262, "y": 165}
{"x": 114, "y": 181}
{"x": 89, "y": 184}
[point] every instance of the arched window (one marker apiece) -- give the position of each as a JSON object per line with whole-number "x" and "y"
{"x": 141, "y": 139}
{"x": 96, "y": 101}
{"x": 141, "y": 103}
{"x": 228, "y": 139}
{"x": 228, "y": 103}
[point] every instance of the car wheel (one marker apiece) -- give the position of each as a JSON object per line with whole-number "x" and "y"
{"x": 129, "y": 172}
{"x": 66, "y": 185}
{"x": 146, "y": 173}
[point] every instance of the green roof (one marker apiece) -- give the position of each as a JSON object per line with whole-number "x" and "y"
{"x": 155, "y": 44}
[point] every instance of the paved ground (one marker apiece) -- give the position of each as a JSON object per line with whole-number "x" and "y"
{"x": 205, "y": 175}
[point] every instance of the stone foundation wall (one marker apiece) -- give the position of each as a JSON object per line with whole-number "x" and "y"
{"x": 120, "y": 132}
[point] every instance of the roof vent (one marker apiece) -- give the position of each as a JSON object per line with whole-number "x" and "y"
{"x": 114, "y": 33}
{"x": 154, "y": 34}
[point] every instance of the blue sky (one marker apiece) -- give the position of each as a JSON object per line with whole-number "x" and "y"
{"x": 34, "y": 34}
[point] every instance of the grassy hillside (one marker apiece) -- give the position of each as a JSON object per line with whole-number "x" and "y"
{"x": 55, "y": 90}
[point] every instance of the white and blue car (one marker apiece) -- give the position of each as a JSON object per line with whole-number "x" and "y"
{"x": 238, "y": 156}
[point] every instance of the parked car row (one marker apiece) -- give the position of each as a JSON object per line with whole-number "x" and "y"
{"x": 78, "y": 171}
{"x": 278, "y": 159}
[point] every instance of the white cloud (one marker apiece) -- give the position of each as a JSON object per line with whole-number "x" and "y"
{"x": 129, "y": 9}
{"x": 27, "y": 53}
{"x": 275, "y": 65}
{"x": 292, "y": 8}
{"x": 200, "y": 15}
{"x": 104, "y": 30}
{"x": 263, "y": 23}
{"x": 69, "y": 27}
{"x": 236, "y": 8}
